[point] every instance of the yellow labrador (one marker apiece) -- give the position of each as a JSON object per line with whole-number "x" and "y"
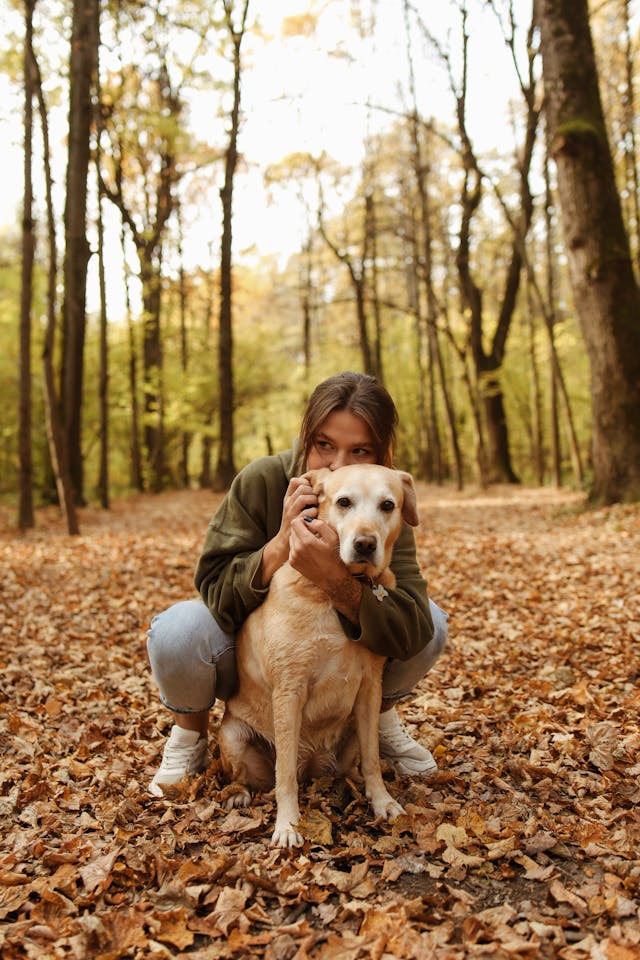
{"x": 303, "y": 685}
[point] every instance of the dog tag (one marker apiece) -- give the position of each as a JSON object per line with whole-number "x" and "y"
{"x": 379, "y": 592}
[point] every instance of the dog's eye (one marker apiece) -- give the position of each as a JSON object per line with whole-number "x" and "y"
{"x": 387, "y": 506}
{"x": 343, "y": 502}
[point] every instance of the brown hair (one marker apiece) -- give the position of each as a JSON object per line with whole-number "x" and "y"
{"x": 361, "y": 395}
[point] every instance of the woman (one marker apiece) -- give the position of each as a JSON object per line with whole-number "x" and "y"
{"x": 263, "y": 522}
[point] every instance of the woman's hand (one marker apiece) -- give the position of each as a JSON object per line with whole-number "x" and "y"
{"x": 314, "y": 551}
{"x": 298, "y": 500}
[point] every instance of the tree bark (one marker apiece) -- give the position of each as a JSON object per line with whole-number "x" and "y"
{"x": 135, "y": 477}
{"x": 55, "y": 434}
{"x": 77, "y": 253}
{"x": 606, "y": 294}
{"x": 152, "y": 357}
{"x": 25, "y": 457}
{"x": 225, "y": 469}
{"x": 103, "y": 376}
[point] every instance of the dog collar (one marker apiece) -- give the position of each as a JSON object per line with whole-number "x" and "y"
{"x": 377, "y": 589}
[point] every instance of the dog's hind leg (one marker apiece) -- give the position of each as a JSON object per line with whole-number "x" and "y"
{"x": 366, "y": 719}
{"x": 246, "y": 759}
{"x": 287, "y": 720}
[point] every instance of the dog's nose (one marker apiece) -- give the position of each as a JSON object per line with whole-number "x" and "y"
{"x": 365, "y": 545}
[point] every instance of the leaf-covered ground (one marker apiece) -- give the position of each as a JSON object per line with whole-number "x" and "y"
{"x": 525, "y": 844}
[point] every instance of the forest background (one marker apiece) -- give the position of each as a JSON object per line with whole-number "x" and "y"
{"x": 212, "y": 223}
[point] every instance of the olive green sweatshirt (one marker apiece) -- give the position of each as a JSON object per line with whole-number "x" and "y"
{"x": 398, "y": 626}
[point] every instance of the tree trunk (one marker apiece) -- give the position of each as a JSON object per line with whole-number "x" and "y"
{"x": 76, "y": 258}
{"x": 630, "y": 141}
{"x": 537, "y": 452}
{"x": 103, "y": 376}
{"x": 150, "y": 275}
{"x": 25, "y": 457}
{"x": 55, "y": 435}
{"x": 135, "y": 477}
{"x": 225, "y": 469}
{"x": 605, "y": 290}
{"x": 185, "y": 435}
{"x": 371, "y": 244}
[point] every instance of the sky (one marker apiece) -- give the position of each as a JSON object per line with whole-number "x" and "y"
{"x": 310, "y": 94}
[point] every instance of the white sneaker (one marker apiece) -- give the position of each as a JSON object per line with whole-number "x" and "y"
{"x": 185, "y": 753}
{"x": 406, "y": 755}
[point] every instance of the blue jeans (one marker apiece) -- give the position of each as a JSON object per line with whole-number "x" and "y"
{"x": 193, "y": 661}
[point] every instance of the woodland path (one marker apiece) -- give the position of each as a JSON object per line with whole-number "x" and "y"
{"x": 525, "y": 844}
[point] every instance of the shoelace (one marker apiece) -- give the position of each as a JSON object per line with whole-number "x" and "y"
{"x": 397, "y": 739}
{"x": 175, "y": 757}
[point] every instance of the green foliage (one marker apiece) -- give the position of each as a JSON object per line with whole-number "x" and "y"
{"x": 155, "y": 69}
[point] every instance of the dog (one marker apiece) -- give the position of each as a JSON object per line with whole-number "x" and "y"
{"x": 304, "y": 688}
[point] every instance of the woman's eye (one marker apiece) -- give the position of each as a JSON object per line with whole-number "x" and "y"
{"x": 387, "y": 506}
{"x": 361, "y": 452}
{"x": 343, "y": 502}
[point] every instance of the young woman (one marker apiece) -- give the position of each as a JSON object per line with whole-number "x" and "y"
{"x": 350, "y": 418}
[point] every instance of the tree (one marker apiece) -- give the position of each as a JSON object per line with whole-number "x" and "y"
{"x": 606, "y": 294}
{"x": 357, "y": 256}
{"x": 25, "y": 486}
{"x": 225, "y": 469}
{"x": 139, "y": 175}
{"x": 488, "y": 362}
{"x": 82, "y": 65}
{"x": 423, "y": 258}
{"x": 55, "y": 434}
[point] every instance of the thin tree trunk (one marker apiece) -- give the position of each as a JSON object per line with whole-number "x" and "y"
{"x": 77, "y": 253}
{"x": 306, "y": 287}
{"x": 537, "y": 453}
{"x": 632, "y": 158}
{"x": 550, "y": 319}
{"x": 26, "y": 517}
{"x": 226, "y": 469}
{"x": 185, "y": 438}
{"x": 135, "y": 476}
{"x": 55, "y": 434}
{"x": 357, "y": 276}
{"x": 152, "y": 355}
{"x": 371, "y": 230}
{"x": 103, "y": 377}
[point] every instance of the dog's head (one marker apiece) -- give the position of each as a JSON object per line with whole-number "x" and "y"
{"x": 365, "y": 504}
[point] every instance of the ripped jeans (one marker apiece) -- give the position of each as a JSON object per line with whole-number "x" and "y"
{"x": 194, "y": 663}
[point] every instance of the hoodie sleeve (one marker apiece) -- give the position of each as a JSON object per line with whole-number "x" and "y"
{"x": 248, "y": 517}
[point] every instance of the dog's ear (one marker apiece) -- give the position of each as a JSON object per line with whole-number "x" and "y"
{"x": 410, "y": 503}
{"x": 316, "y": 479}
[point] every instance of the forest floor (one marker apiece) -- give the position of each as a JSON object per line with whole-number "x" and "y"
{"x": 525, "y": 843}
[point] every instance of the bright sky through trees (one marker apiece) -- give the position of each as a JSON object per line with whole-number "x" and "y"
{"x": 309, "y": 92}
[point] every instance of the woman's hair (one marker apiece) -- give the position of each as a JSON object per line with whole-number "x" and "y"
{"x": 361, "y": 395}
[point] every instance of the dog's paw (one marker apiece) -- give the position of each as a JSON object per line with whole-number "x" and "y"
{"x": 286, "y": 835}
{"x": 388, "y": 808}
{"x": 236, "y": 796}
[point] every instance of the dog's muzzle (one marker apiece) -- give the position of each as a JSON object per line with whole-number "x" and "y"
{"x": 364, "y": 547}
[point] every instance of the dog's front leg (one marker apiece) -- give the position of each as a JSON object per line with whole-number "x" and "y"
{"x": 287, "y": 719}
{"x": 366, "y": 718}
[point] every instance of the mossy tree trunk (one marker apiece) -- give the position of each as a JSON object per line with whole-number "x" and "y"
{"x": 606, "y": 294}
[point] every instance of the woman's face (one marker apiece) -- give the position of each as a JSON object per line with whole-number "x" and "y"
{"x": 341, "y": 440}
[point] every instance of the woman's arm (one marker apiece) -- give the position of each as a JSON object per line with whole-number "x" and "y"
{"x": 248, "y": 538}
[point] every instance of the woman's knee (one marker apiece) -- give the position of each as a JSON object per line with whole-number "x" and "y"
{"x": 401, "y": 676}
{"x": 440, "y": 621}
{"x": 181, "y": 626}
{"x": 192, "y": 659}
